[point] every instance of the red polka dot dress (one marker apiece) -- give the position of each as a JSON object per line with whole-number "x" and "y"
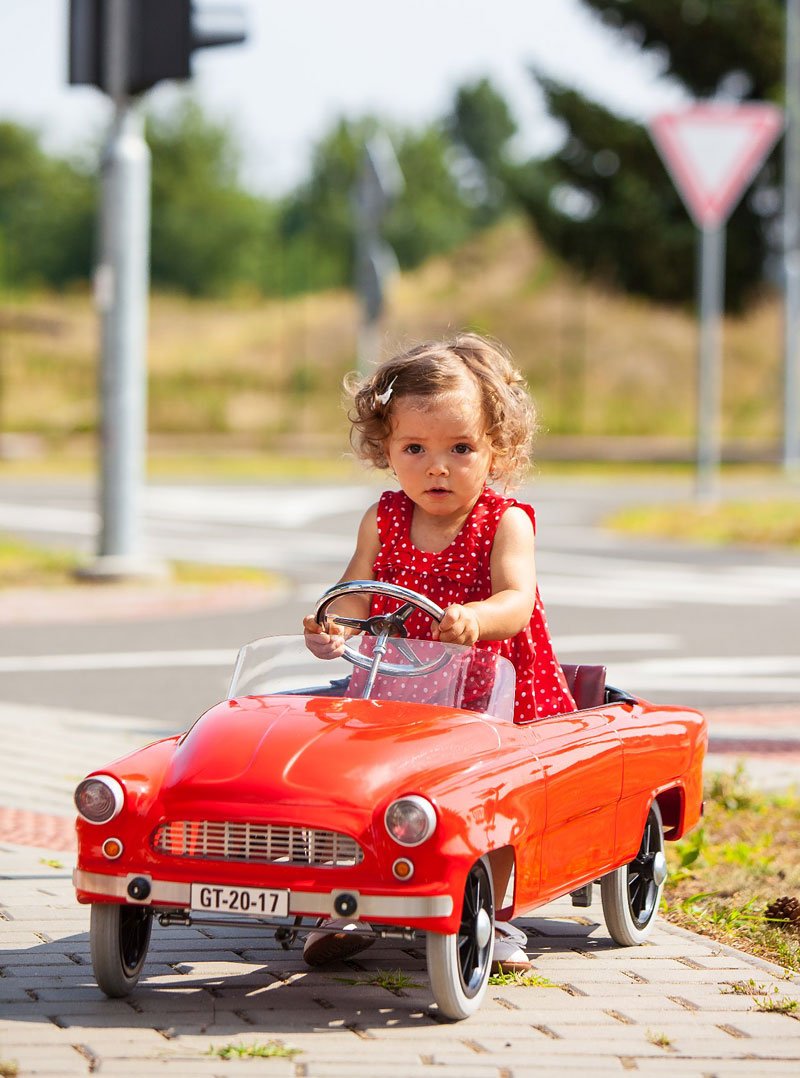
{"x": 461, "y": 574}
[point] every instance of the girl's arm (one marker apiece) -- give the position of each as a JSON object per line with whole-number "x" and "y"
{"x": 510, "y": 606}
{"x": 327, "y": 642}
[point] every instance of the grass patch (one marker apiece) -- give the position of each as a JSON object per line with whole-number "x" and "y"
{"x": 269, "y": 1050}
{"x": 726, "y": 873}
{"x": 26, "y": 565}
{"x": 393, "y": 980}
{"x": 773, "y": 522}
{"x": 518, "y": 979}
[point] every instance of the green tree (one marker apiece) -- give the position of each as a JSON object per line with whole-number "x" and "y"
{"x": 482, "y": 125}
{"x": 47, "y": 214}
{"x": 430, "y": 215}
{"x": 604, "y": 200}
{"x": 209, "y": 235}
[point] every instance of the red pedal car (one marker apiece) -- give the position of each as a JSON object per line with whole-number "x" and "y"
{"x": 399, "y": 792}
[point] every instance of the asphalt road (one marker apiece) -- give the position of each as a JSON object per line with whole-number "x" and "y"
{"x": 674, "y": 623}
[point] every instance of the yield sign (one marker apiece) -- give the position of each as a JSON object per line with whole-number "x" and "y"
{"x": 712, "y": 152}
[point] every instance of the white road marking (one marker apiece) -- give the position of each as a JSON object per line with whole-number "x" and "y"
{"x": 602, "y": 642}
{"x": 115, "y": 660}
{"x": 285, "y": 507}
{"x": 279, "y": 528}
{"x": 731, "y": 675}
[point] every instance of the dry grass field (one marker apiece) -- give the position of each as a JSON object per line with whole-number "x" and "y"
{"x": 260, "y": 375}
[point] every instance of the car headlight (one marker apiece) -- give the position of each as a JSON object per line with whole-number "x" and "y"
{"x": 99, "y": 799}
{"x": 410, "y": 820}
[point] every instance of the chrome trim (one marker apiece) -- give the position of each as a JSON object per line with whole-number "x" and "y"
{"x": 252, "y": 843}
{"x": 170, "y": 892}
{"x": 310, "y": 903}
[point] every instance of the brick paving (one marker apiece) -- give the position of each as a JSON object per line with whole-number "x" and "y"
{"x": 680, "y": 1005}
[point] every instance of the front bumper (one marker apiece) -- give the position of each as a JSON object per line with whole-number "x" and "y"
{"x": 403, "y": 909}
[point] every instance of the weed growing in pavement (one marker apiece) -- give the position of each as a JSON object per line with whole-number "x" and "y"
{"x": 272, "y": 1049}
{"x": 393, "y": 980}
{"x": 516, "y": 978}
{"x": 765, "y": 997}
{"x": 660, "y": 1040}
{"x": 727, "y": 873}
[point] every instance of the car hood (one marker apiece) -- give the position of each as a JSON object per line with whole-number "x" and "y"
{"x": 311, "y": 751}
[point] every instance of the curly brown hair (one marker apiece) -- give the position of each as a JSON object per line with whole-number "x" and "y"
{"x": 433, "y": 369}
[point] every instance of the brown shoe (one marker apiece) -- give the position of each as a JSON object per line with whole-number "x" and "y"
{"x": 335, "y": 946}
{"x": 508, "y": 955}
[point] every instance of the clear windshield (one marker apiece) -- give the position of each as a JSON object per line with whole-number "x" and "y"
{"x": 418, "y": 671}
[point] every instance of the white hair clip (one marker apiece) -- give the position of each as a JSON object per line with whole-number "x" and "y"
{"x": 385, "y": 397}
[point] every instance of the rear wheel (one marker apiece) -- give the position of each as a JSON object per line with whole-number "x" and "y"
{"x": 459, "y": 962}
{"x": 631, "y": 894}
{"x": 119, "y": 937}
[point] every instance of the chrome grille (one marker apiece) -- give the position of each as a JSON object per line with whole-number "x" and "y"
{"x": 213, "y": 840}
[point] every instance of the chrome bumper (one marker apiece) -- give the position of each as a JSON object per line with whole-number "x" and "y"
{"x": 316, "y": 903}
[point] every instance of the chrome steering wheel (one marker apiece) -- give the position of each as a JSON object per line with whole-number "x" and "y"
{"x": 384, "y": 627}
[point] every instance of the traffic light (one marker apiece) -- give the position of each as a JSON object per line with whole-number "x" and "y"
{"x": 127, "y": 46}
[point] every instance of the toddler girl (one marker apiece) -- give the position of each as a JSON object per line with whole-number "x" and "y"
{"x": 447, "y": 418}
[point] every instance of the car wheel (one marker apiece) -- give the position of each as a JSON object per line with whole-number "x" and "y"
{"x": 119, "y": 937}
{"x": 631, "y": 894}
{"x": 459, "y": 962}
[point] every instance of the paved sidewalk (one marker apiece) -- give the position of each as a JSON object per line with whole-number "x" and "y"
{"x": 680, "y": 1005}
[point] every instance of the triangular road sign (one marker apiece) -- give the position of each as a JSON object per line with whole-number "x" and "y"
{"x": 713, "y": 151}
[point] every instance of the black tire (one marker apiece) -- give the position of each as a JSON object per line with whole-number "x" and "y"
{"x": 631, "y": 894}
{"x": 119, "y": 937}
{"x": 459, "y": 962}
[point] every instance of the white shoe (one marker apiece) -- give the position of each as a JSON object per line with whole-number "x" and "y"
{"x": 508, "y": 955}
{"x": 342, "y": 940}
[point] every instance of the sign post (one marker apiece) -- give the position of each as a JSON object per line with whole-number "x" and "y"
{"x": 712, "y": 152}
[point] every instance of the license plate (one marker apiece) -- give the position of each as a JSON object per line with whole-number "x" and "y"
{"x": 253, "y": 901}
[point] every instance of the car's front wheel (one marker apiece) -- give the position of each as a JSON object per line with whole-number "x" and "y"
{"x": 459, "y": 962}
{"x": 631, "y": 894}
{"x": 119, "y": 937}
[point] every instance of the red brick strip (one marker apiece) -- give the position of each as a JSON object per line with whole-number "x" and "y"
{"x": 39, "y": 829}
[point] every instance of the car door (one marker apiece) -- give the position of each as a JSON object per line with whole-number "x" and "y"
{"x": 581, "y": 758}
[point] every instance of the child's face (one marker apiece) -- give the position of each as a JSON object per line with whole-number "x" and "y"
{"x": 439, "y": 450}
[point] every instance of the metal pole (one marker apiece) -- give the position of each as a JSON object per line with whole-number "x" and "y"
{"x": 712, "y": 259}
{"x": 791, "y": 242}
{"x": 121, "y": 287}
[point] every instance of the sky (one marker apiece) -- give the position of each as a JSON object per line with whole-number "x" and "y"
{"x": 308, "y": 62}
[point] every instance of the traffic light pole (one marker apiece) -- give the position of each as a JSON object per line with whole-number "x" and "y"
{"x": 121, "y": 289}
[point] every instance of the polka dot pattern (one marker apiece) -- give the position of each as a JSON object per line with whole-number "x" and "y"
{"x": 461, "y": 574}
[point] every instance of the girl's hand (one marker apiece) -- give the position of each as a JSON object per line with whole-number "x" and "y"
{"x": 459, "y": 625}
{"x": 326, "y": 642}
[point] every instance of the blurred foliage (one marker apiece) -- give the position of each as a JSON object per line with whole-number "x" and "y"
{"x": 604, "y": 200}
{"x": 431, "y": 214}
{"x": 46, "y": 214}
{"x": 212, "y": 237}
{"x": 482, "y": 126}
{"x": 208, "y": 235}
